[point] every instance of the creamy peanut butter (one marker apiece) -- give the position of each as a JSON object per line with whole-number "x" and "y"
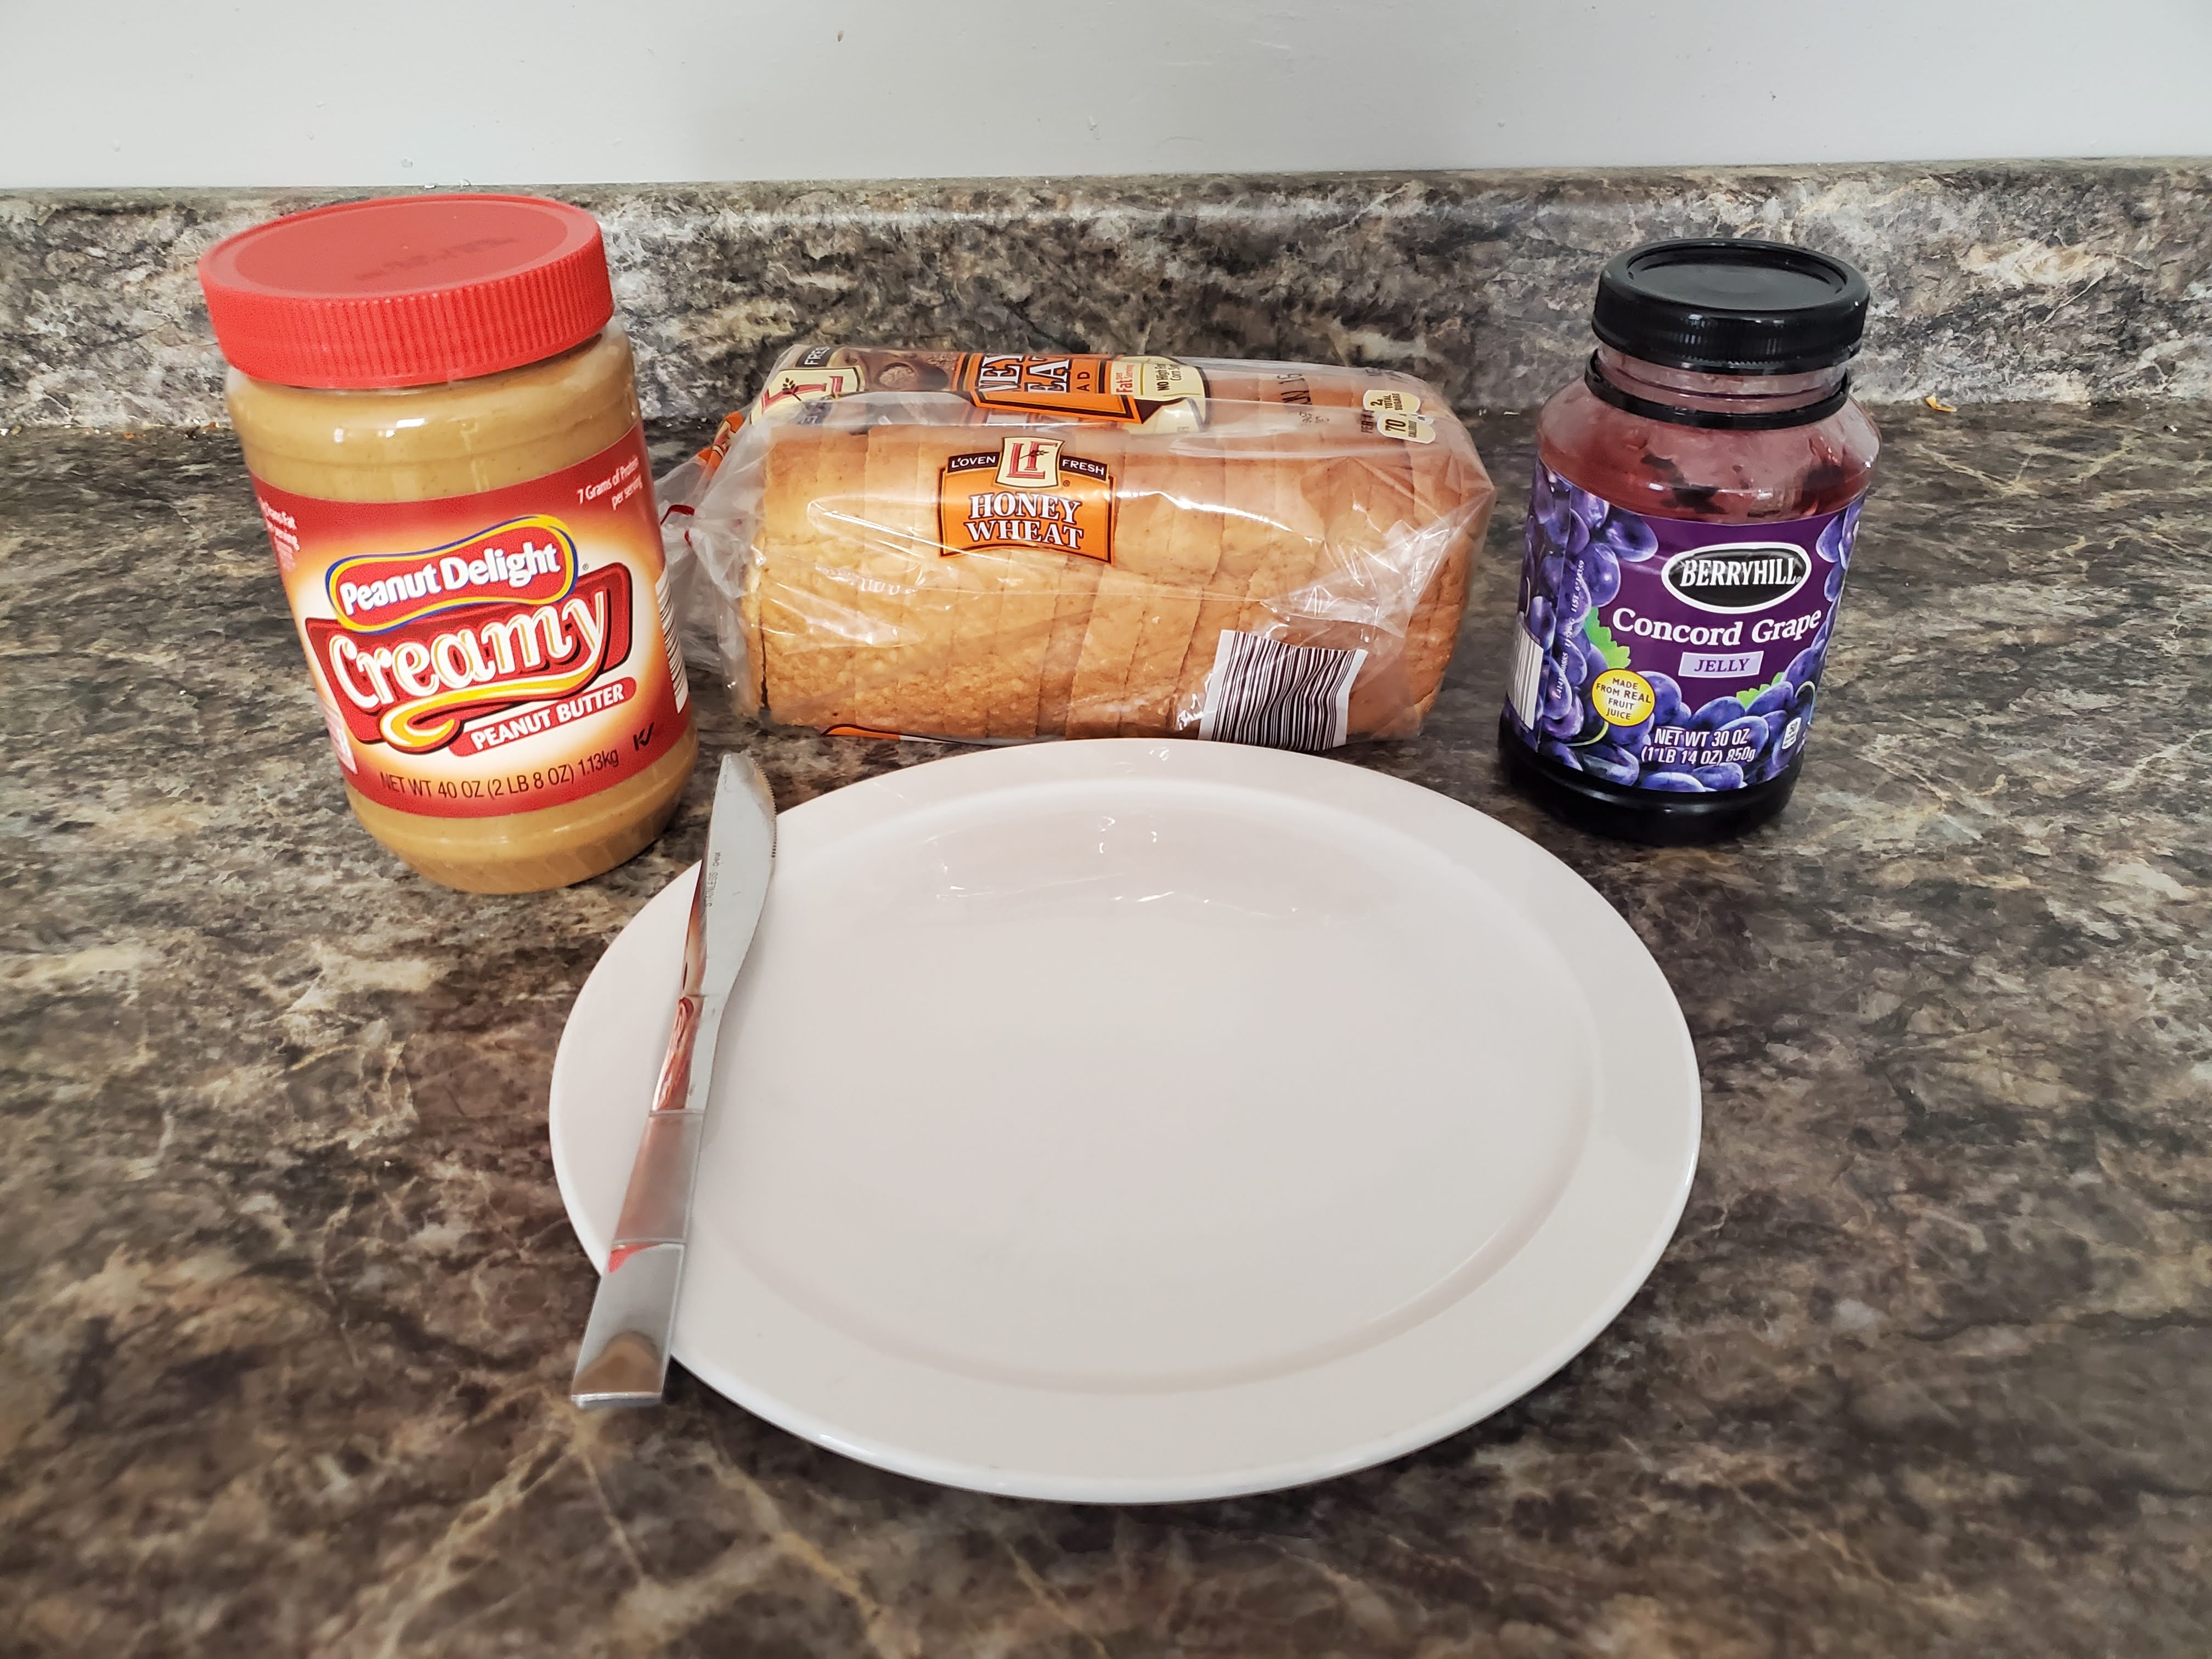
{"x": 464, "y": 519}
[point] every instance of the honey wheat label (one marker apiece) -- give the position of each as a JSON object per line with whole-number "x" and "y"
{"x": 1028, "y": 492}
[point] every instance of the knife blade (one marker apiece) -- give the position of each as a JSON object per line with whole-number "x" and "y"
{"x": 624, "y": 1358}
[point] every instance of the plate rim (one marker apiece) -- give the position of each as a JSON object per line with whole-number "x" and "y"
{"x": 1105, "y": 758}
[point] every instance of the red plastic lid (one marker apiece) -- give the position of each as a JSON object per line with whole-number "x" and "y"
{"x": 407, "y": 291}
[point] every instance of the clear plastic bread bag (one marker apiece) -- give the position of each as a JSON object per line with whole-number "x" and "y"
{"x": 999, "y": 546}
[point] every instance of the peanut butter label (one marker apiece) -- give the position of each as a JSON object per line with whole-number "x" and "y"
{"x": 492, "y": 654}
{"x": 378, "y": 590}
{"x": 1027, "y": 492}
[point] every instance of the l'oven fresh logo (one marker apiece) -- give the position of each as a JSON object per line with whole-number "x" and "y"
{"x": 1737, "y": 576}
{"x": 532, "y": 560}
{"x": 1030, "y": 463}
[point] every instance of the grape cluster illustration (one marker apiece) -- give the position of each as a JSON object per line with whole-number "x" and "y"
{"x": 1575, "y": 545}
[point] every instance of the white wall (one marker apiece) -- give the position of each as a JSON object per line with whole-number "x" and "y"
{"x": 419, "y": 92}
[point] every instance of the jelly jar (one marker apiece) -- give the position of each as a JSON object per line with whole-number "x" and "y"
{"x": 1691, "y": 521}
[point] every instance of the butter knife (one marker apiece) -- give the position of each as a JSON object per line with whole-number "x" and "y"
{"x": 624, "y": 1359}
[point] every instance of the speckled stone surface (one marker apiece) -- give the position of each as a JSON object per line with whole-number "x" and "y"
{"x": 2031, "y": 280}
{"x": 287, "y": 1301}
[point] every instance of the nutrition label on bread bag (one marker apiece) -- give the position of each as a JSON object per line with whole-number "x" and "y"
{"x": 1667, "y": 654}
{"x": 489, "y": 654}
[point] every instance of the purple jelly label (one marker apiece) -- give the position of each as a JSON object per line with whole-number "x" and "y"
{"x": 1656, "y": 653}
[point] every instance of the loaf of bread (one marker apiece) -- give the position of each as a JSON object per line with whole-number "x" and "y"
{"x": 1281, "y": 557}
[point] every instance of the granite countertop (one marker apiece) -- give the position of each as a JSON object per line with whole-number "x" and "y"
{"x": 287, "y": 1302}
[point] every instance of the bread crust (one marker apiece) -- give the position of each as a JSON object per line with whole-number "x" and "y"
{"x": 786, "y": 552}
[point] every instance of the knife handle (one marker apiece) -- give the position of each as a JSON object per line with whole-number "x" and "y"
{"x": 624, "y": 1358}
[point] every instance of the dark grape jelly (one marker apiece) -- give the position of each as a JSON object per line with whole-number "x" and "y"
{"x": 1690, "y": 524}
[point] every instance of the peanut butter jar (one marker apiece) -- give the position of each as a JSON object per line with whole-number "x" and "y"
{"x": 441, "y": 418}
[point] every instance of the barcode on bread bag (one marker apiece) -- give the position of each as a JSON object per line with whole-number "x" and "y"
{"x": 1528, "y": 687}
{"x": 1286, "y": 696}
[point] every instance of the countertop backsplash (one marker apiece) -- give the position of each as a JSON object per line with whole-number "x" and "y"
{"x": 2066, "y": 281}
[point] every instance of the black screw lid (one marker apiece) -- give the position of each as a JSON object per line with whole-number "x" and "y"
{"x": 1730, "y": 306}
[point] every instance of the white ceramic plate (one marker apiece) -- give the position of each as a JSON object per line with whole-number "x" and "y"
{"x": 1140, "y": 1120}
